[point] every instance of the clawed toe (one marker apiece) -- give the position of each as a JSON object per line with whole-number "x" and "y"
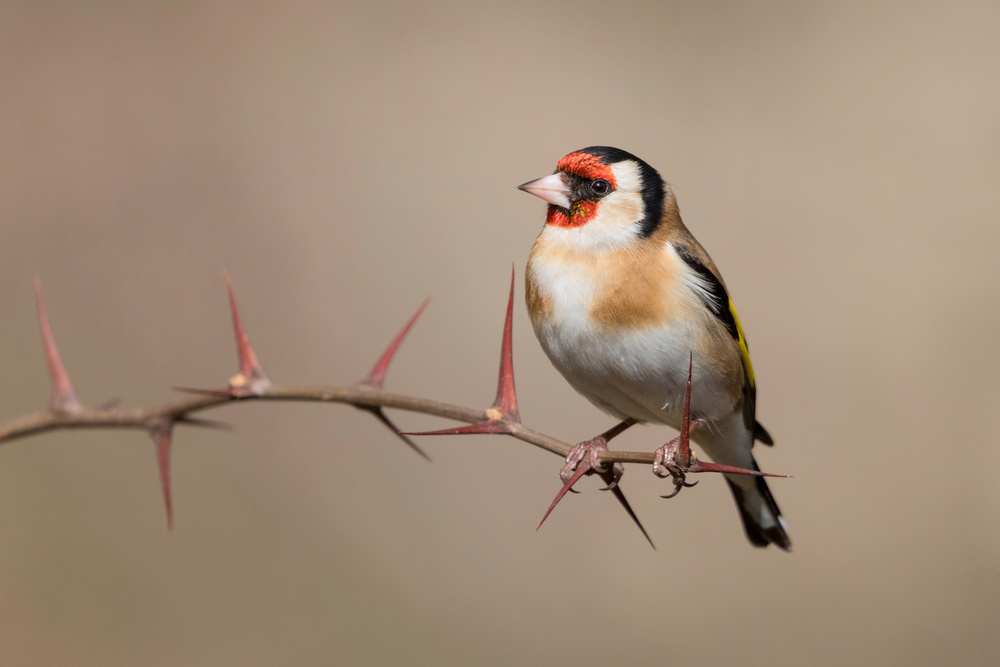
{"x": 591, "y": 450}
{"x": 680, "y": 482}
{"x": 617, "y": 470}
{"x": 675, "y": 459}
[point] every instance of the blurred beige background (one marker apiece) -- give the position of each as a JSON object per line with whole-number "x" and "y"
{"x": 839, "y": 160}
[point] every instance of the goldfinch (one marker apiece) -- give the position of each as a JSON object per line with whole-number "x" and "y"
{"x": 621, "y": 296}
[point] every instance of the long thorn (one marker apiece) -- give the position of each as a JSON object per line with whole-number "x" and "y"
{"x": 251, "y": 377}
{"x": 490, "y": 427}
{"x": 162, "y": 434}
{"x": 62, "y": 398}
{"x": 376, "y": 377}
{"x": 685, "y": 446}
{"x": 506, "y": 399}
{"x": 580, "y": 472}
{"x": 708, "y": 466}
{"x": 380, "y": 415}
{"x": 608, "y": 477}
{"x": 503, "y": 412}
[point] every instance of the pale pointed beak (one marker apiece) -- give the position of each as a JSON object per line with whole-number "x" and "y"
{"x": 552, "y": 188}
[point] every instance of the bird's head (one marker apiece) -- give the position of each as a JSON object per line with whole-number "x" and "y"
{"x": 602, "y": 197}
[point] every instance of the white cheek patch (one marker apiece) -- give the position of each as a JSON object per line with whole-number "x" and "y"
{"x": 620, "y": 210}
{"x": 628, "y": 176}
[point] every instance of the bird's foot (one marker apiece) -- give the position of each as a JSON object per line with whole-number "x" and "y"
{"x": 675, "y": 459}
{"x": 590, "y": 450}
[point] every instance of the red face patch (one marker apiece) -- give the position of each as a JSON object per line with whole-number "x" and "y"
{"x": 556, "y": 216}
{"x": 587, "y": 166}
{"x": 581, "y": 213}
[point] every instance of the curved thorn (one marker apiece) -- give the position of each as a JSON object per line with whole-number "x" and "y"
{"x": 376, "y": 377}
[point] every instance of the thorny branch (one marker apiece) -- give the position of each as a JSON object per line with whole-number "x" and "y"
{"x": 251, "y": 383}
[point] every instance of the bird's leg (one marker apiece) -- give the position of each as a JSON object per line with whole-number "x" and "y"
{"x": 675, "y": 458}
{"x": 591, "y": 449}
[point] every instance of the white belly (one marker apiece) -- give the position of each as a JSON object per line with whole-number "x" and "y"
{"x": 638, "y": 373}
{"x": 641, "y": 374}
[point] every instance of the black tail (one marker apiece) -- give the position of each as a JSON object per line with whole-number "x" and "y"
{"x": 761, "y": 517}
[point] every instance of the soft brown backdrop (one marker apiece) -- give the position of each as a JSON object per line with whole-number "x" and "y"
{"x": 841, "y": 164}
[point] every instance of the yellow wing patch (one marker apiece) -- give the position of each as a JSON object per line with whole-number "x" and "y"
{"x": 744, "y": 350}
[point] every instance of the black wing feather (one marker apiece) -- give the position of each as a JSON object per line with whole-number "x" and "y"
{"x": 717, "y": 300}
{"x": 719, "y": 303}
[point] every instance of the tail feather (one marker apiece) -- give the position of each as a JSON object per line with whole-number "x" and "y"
{"x": 760, "y": 434}
{"x": 729, "y": 442}
{"x": 761, "y": 517}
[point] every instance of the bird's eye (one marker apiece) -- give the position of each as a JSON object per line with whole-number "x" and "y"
{"x": 600, "y": 187}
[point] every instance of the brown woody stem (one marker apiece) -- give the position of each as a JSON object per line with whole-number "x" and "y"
{"x": 40, "y": 422}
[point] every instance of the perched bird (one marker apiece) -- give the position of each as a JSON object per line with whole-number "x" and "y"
{"x": 621, "y": 296}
